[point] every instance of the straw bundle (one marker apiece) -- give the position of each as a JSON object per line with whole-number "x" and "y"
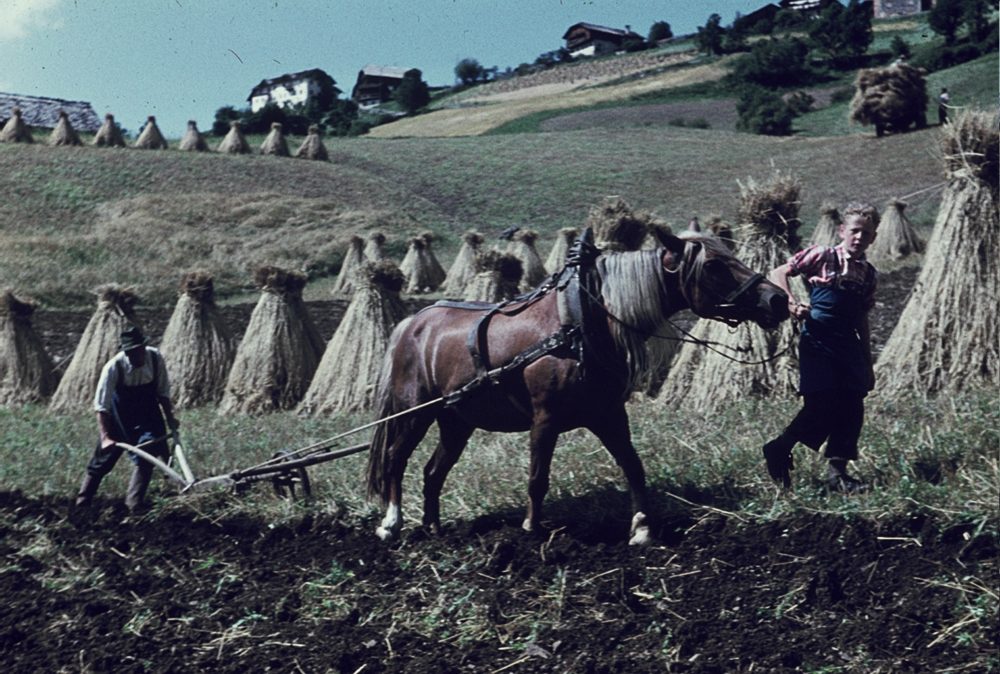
{"x": 890, "y": 97}
{"x": 193, "y": 141}
{"x": 522, "y": 246}
{"x": 348, "y": 374}
{"x": 703, "y": 380}
{"x": 497, "y": 278}
{"x": 437, "y": 272}
{"x": 197, "y": 345}
{"x": 373, "y": 247}
{"x": 422, "y": 270}
{"x": 464, "y": 267}
{"x": 275, "y": 362}
{"x": 109, "y": 135}
{"x": 63, "y": 133}
{"x": 151, "y": 138}
{"x": 616, "y": 226}
{"x": 897, "y": 237}
{"x": 312, "y": 147}
{"x": 947, "y": 338}
{"x": 25, "y": 368}
{"x": 565, "y": 238}
{"x": 828, "y": 228}
{"x": 234, "y": 142}
{"x": 15, "y": 130}
{"x": 99, "y": 342}
{"x": 275, "y": 143}
{"x": 353, "y": 259}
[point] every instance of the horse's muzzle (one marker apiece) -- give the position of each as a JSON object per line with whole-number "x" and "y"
{"x": 774, "y": 309}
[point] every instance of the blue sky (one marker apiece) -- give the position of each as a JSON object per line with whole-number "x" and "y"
{"x": 183, "y": 59}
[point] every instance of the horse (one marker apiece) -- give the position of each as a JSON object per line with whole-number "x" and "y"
{"x": 428, "y": 374}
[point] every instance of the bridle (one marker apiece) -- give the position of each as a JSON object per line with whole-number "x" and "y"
{"x": 694, "y": 263}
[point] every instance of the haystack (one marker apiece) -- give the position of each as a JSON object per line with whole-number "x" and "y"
{"x": 197, "y": 345}
{"x": 557, "y": 256}
{"x": 948, "y": 337}
{"x": 109, "y": 135}
{"x": 703, "y": 381}
{"x": 193, "y": 141}
{"x": 616, "y": 226}
{"x": 353, "y": 259}
{"x": 373, "y": 247}
{"x": 63, "y": 133}
{"x": 722, "y": 231}
{"x": 99, "y": 342}
{"x": 827, "y": 229}
{"x": 897, "y": 237}
{"x": 436, "y": 270}
{"x": 890, "y": 98}
{"x": 522, "y": 246}
{"x": 464, "y": 267}
{"x": 497, "y": 278}
{"x": 348, "y": 374}
{"x": 423, "y": 272}
{"x": 25, "y": 368}
{"x": 15, "y": 130}
{"x": 151, "y": 138}
{"x": 275, "y": 362}
{"x": 312, "y": 147}
{"x": 234, "y": 142}
{"x": 275, "y": 143}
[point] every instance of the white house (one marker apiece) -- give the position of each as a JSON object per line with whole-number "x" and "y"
{"x": 290, "y": 89}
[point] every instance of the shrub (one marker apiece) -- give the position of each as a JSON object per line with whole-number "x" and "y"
{"x": 800, "y": 102}
{"x": 763, "y": 112}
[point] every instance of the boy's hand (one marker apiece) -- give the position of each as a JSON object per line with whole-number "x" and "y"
{"x": 798, "y": 309}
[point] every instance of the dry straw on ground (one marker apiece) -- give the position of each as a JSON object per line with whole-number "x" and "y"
{"x": 464, "y": 267}
{"x": 275, "y": 143}
{"x": 522, "y": 246}
{"x": 827, "y": 228}
{"x": 346, "y": 378}
{"x": 15, "y": 130}
{"x": 312, "y": 147}
{"x": 423, "y": 272}
{"x": 109, "y": 135}
{"x": 280, "y": 350}
{"x": 63, "y": 133}
{"x": 565, "y": 238}
{"x": 704, "y": 381}
{"x": 151, "y": 138}
{"x": 895, "y": 95}
{"x": 234, "y": 142}
{"x": 25, "y": 368}
{"x": 353, "y": 259}
{"x": 197, "y": 345}
{"x": 948, "y": 337}
{"x": 616, "y": 226}
{"x": 497, "y": 279}
{"x": 373, "y": 247}
{"x": 99, "y": 342}
{"x": 193, "y": 140}
{"x": 897, "y": 237}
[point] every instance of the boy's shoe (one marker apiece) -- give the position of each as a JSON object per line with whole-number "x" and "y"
{"x": 842, "y": 483}
{"x": 778, "y": 456}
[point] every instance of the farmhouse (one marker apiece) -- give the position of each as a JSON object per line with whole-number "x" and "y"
{"x": 884, "y": 9}
{"x": 292, "y": 89}
{"x": 375, "y": 84}
{"x": 43, "y": 112}
{"x": 588, "y": 39}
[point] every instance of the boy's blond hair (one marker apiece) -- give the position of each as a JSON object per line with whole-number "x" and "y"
{"x": 865, "y": 211}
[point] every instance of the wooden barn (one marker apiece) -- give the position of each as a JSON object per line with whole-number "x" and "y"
{"x": 43, "y": 112}
{"x": 588, "y": 39}
{"x": 375, "y": 84}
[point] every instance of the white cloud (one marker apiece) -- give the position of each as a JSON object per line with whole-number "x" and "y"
{"x": 20, "y": 17}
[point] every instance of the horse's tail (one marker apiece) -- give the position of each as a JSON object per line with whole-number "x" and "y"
{"x": 386, "y": 405}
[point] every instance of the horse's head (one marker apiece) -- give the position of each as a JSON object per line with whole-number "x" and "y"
{"x": 717, "y": 285}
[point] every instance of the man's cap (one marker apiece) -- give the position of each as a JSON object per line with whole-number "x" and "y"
{"x": 132, "y": 338}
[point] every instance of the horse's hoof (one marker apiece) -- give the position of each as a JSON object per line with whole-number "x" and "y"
{"x": 639, "y": 532}
{"x": 529, "y": 526}
{"x": 385, "y": 534}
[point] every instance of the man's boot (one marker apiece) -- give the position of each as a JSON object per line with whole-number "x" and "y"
{"x": 88, "y": 488}
{"x": 135, "y": 495}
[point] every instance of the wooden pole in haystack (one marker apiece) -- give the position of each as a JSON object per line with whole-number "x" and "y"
{"x": 109, "y": 135}
{"x": 275, "y": 143}
{"x": 890, "y": 98}
{"x": 115, "y": 312}
{"x": 276, "y": 360}
{"x": 704, "y": 381}
{"x": 897, "y": 237}
{"x": 353, "y": 259}
{"x": 198, "y": 346}
{"x": 828, "y": 226}
{"x": 522, "y": 246}
{"x": 616, "y": 226}
{"x": 464, "y": 267}
{"x": 63, "y": 133}
{"x": 312, "y": 147}
{"x": 15, "y": 130}
{"x": 373, "y": 247}
{"x": 234, "y": 142}
{"x": 565, "y": 238}
{"x": 948, "y": 338}
{"x": 151, "y": 138}
{"x": 193, "y": 141}
{"x": 497, "y": 279}
{"x": 26, "y": 374}
{"x": 347, "y": 376}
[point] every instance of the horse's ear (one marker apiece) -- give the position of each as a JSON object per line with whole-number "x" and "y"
{"x": 672, "y": 243}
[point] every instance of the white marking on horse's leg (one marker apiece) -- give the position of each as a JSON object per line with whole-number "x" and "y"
{"x": 392, "y": 523}
{"x": 639, "y": 533}
{"x": 528, "y": 525}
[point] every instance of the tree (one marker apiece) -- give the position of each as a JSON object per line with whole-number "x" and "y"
{"x": 843, "y": 31}
{"x": 975, "y": 16}
{"x": 945, "y": 18}
{"x": 660, "y": 30}
{"x": 775, "y": 63}
{"x": 468, "y": 71}
{"x": 763, "y": 112}
{"x": 412, "y": 93}
{"x": 900, "y": 48}
{"x": 709, "y": 38}
{"x": 223, "y": 116}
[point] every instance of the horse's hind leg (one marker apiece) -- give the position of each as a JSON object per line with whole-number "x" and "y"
{"x": 455, "y": 434}
{"x": 408, "y": 436}
{"x": 613, "y": 431}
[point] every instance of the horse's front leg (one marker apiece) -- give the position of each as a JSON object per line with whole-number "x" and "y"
{"x": 409, "y": 435}
{"x": 454, "y": 435}
{"x": 613, "y": 431}
{"x": 543, "y": 444}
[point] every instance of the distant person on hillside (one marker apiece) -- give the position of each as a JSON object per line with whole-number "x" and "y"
{"x": 835, "y": 356}
{"x": 943, "y": 100}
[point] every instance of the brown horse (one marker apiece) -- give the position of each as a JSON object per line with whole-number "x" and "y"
{"x": 429, "y": 359}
